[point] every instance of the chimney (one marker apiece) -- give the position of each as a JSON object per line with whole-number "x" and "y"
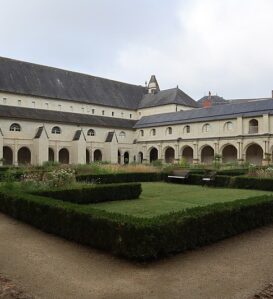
{"x": 208, "y": 102}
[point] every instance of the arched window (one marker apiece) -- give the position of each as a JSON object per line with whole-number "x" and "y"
{"x": 153, "y": 132}
{"x": 56, "y": 130}
{"x": 91, "y": 132}
{"x": 15, "y": 128}
{"x": 187, "y": 129}
{"x": 228, "y": 126}
{"x": 253, "y": 126}
{"x": 169, "y": 131}
{"x": 122, "y": 134}
{"x": 141, "y": 133}
{"x": 206, "y": 128}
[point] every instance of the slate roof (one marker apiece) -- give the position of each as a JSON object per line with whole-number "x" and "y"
{"x": 39, "y": 133}
{"x": 227, "y": 111}
{"x": 43, "y": 81}
{"x": 41, "y": 115}
{"x": 110, "y": 137}
{"x": 168, "y": 96}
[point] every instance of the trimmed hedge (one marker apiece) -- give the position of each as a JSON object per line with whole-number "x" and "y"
{"x": 232, "y": 172}
{"x": 139, "y": 238}
{"x": 96, "y": 194}
{"x": 120, "y": 177}
{"x": 245, "y": 182}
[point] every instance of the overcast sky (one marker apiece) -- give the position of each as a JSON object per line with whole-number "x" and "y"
{"x": 225, "y": 46}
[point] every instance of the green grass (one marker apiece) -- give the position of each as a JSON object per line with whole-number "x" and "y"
{"x": 162, "y": 198}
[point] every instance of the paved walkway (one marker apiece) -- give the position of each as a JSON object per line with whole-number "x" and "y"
{"x": 50, "y": 267}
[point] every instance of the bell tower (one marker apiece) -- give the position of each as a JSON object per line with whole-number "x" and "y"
{"x": 153, "y": 86}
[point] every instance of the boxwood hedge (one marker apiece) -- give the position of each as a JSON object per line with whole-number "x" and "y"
{"x": 139, "y": 238}
{"x": 120, "y": 177}
{"x": 96, "y": 193}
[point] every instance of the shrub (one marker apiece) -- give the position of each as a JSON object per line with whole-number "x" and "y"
{"x": 139, "y": 238}
{"x": 96, "y": 193}
{"x": 245, "y": 182}
{"x": 120, "y": 178}
{"x": 233, "y": 172}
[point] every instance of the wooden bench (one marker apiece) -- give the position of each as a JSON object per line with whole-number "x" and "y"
{"x": 179, "y": 174}
{"x": 209, "y": 177}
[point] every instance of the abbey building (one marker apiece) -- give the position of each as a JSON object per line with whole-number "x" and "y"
{"x": 49, "y": 114}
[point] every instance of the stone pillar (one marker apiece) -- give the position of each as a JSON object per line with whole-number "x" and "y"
{"x": 196, "y": 157}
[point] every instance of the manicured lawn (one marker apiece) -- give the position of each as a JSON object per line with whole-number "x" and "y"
{"x": 161, "y": 198}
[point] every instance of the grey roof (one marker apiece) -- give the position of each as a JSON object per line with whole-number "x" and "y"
{"x": 37, "y": 80}
{"x": 168, "y": 96}
{"x": 253, "y": 108}
{"x": 43, "y": 81}
{"x": 39, "y": 133}
{"x": 41, "y": 115}
{"x": 109, "y": 137}
{"x": 77, "y": 135}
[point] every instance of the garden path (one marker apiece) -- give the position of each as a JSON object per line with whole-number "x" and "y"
{"x": 50, "y": 267}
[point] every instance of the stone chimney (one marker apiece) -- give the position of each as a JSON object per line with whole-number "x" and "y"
{"x": 153, "y": 86}
{"x": 208, "y": 102}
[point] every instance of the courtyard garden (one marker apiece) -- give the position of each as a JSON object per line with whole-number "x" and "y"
{"x": 134, "y": 211}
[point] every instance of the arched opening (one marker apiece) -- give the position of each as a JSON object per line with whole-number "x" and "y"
{"x": 207, "y": 155}
{"x": 187, "y": 154}
{"x": 7, "y": 156}
{"x": 64, "y": 156}
{"x": 24, "y": 156}
{"x": 119, "y": 157}
{"x": 140, "y": 157}
{"x": 254, "y": 154}
{"x": 253, "y": 126}
{"x": 126, "y": 158}
{"x": 153, "y": 154}
{"x": 97, "y": 155}
{"x": 87, "y": 157}
{"x": 169, "y": 155}
{"x": 229, "y": 153}
{"x": 50, "y": 155}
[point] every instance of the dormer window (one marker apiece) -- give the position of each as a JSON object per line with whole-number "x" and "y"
{"x": 91, "y": 132}
{"x": 141, "y": 133}
{"x": 206, "y": 128}
{"x": 56, "y": 130}
{"x": 15, "y": 128}
{"x": 122, "y": 135}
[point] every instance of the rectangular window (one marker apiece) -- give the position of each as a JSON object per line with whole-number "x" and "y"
{"x": 19, "y": 102}
{"x": 130, "y": 115}
{"x": 46, "y": 105}
{"x": 4, "y": 100}
{"x": 60, "y": 107}
{"x": 93, "y": 111}
{"x": 113, "y": 113}
{"x": 33, "y": 104}
{"x": 102, "y": 112}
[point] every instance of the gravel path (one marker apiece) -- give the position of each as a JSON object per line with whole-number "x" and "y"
{"x": 50, "y": 267}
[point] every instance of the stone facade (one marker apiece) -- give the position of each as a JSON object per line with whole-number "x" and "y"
{"x": 23, "y": 140}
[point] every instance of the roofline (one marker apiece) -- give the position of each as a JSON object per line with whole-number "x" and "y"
{"x": 66, "y": 70}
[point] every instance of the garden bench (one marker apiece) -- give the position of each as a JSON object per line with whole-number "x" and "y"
{"x": 209, "y": 177}
{"x": 179, "y": 174}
